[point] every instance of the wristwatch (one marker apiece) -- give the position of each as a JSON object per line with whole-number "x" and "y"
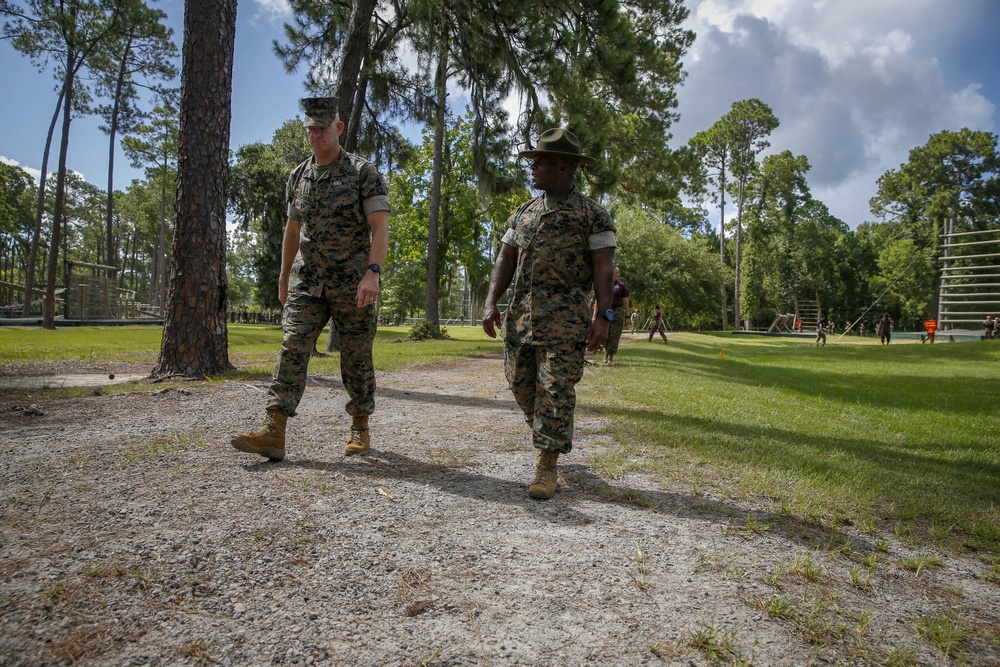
{"x": 608, "y": 314}
{"x": 375, "y": 268}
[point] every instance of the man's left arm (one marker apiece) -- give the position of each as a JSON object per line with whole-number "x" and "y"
{"x": 603, "y": 261}
{"x": 368, "y": 289}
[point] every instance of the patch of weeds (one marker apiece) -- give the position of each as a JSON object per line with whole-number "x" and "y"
{"x": 611, "y": 464}
{"x": 940, "y": 532}
{"x": 944, "y": 631}
{"x": 414, "y": 591}
{"x": 162, "y": 446}
{"x": 862, "y": 577}
{"x": 749, "y": 528}
{"x": 868, "y": 525}
{"x": 56, "y": 590}
{"x": 181, "y": 470}
{"x": 863, "y": 619}
{"x": 882, "y": 545}
{"x": 806, "y": 567}
{"x": 992, "y": 574}
{"x": 447, "y": 457}
{"x": 662, "y": 650}
{"x": 426, "y": 661}
{"x": 717, "y": 645}
{"x": 917, "y": 563}
{"x": 901, "y": 656}
{"x": 258, "y": 535}
{"x": 838, "y": 544}
{"x": 732, "y": 564}
{"x": 197, "y": 650}
{"x": 621, "y": 495}
{"x": 774, "y": 606}
{"x": 903, "y": 530}
{"x": 640, "y": 573}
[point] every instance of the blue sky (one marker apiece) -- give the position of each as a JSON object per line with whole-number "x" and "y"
{"x": 855, "y": 83}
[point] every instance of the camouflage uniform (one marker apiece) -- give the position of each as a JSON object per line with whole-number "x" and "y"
{"x": 331, "y": 203}
{"x": 546, "y": 324}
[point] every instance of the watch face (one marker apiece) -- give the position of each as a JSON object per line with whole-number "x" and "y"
{"x": 609, "y": 314}
{"x": 375, "y": 267}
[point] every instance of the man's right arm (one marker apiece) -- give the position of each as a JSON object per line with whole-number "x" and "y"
{"x": 289, "y": 248}
{"x": 503, "y": 271}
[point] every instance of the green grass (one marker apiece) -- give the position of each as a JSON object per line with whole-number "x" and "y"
{"x": 852, "y": 433}
{"x": 252, "y": 348}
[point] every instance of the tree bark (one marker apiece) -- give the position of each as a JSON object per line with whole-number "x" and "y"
{"x": 434, "y": 215}
{"x": 722, "y": 242}
{"x": 111, "y": 259}
{"x": 195, "y": 336}
{"x": 49, "y": 308}
{"x": 352, "y": 54}
{"x": 737, "y": 315}
{"x": 29, "y": 282}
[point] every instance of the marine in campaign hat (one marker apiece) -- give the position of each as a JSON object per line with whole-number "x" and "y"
{"x": 560, "y": 142}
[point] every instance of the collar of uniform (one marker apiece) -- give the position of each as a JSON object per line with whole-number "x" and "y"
{"x": 324, "y": 170}
{"x": 554, "y": 202}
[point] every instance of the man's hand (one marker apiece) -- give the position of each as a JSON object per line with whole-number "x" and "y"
{"x": 367, "y": 289}
{"x": 491, "y": 319}
{"x": 598, "y": 334}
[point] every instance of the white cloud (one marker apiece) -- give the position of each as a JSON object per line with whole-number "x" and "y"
{"x": 272, "y": 10}
{"x": 35, "y": 174}
{"x": 855, "y": 84}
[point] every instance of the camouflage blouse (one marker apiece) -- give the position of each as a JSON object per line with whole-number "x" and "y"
{"x": 331, "y": 202}
{"x": 554, "y": 277}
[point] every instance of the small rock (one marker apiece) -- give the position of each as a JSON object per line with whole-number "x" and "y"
{"x": 32, "y": 411}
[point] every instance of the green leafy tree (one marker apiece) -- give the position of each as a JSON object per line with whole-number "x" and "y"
{"x": 794, "y": 245}
{"x": 949, "y": 185}
{"x": 153, "y": 145}
{"x": 69, "y": 32}
{"x": 140, "y": 56}
{"x": 257, "y": 200}
{"x": 749, "y": 122}
{"x": 714, "y": 149}
{"x": 17, "y": 196}
{"x": 664, "y": 268}
{"x": 471, "y": 225}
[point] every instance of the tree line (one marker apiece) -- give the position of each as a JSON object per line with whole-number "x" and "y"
{"x": 607, "y": 71}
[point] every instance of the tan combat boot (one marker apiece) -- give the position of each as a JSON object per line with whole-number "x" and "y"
{"x": 267, "y": 441}
{"x": 359, "y": 441}
{"x": 546, "y": 479}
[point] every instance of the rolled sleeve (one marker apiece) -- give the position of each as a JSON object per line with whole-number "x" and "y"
{"x": 376, "y": 203}
{"x": 602, "y": 240}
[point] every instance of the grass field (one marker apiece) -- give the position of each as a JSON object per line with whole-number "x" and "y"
{"x": 903, "y": 437}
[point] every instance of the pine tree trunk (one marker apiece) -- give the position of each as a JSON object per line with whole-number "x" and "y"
{"x": 737, "y": 316}
{"x": 195, "y": 336}
{"x": 352, "y": 54}
{"x": 434, "y": 215}
{"x": 110, "y": 258}
{"x": 49, "y": 308}
{"x": 29, "y": 281}
{"x": 722, "y": 242}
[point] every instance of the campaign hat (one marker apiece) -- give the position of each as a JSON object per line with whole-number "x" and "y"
{"x": 559, "y": 142}
{"x": 320, "y": 111}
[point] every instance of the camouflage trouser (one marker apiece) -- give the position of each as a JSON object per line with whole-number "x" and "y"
{"x": 615, "y": 328}
{"x": 542, "y": 379}
{"x": 303, "y": 320}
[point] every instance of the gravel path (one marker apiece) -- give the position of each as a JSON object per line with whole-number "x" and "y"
{"x": 133, "y": 534}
